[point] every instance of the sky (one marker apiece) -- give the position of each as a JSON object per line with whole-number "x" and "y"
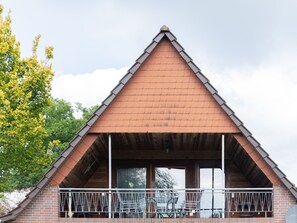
{"x": 247, "y": 49}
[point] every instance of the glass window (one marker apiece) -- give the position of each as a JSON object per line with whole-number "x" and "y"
{"x": 131, "y": 178}
{"x": 212, "y": 200}
{"x": 169, "y": 178}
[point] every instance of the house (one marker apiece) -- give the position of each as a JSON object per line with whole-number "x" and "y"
{"x": 163, "y": 116}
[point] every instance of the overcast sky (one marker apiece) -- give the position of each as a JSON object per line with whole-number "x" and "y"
{"x": 248, "y": 50}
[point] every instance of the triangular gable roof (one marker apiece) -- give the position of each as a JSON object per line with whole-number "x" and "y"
{"x": 164, "y": 95}
{"x": 246, "y": 139}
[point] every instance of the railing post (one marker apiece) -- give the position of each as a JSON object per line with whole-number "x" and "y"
{"x": 109, "y": 176}
{"x": 223, "y": 175}
{"x": 70, "y": 213}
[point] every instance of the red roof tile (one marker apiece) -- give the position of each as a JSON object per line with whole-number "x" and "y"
{"x": 164, "y": 95}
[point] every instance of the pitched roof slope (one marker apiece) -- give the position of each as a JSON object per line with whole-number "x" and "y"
{"x": 73, "y": 145}
{"x": 164, "y": 95}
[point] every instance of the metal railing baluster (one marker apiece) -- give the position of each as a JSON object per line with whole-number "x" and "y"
{"x": 164, "y": 203}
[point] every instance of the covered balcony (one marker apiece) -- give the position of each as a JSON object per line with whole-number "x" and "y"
{"x": 166, "y": 175}
{"x": 165, "y": 203}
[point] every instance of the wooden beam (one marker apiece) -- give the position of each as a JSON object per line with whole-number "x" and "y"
{"x": 101, "y": 150}
{"x": 161, "y": 154}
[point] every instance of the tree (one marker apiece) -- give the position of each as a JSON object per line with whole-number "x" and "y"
{"x": 24, "y": 93}
{"x": 61, "y": 124}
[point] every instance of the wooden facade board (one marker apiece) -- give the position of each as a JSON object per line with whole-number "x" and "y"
{"x": 57, "y": 179}
{"x": 73, "y": 159}
{"x": 260, "y": 162}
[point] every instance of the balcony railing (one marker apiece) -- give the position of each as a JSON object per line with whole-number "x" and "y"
{"x": 166, "y": 203}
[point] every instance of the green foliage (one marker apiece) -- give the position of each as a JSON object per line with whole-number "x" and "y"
{"x": 61, "y": 124}
{"x": 24, "y": 93}
{"x": 34, "y": 128}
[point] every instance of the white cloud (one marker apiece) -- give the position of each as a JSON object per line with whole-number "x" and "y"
{"x": 265, "y": 99}
{"x": 88, "y": 88}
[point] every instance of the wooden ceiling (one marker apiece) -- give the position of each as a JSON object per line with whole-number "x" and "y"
{"x": 165, "y": 146}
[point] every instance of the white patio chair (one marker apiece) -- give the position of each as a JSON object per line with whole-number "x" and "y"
{"x": 130, "y": 204}
{"x": 192, "y": 203}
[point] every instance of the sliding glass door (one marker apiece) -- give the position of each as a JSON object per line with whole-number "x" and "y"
{"x": 212, "y": 201}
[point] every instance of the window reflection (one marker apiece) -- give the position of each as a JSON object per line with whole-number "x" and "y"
{"x": 131, "y": 178}
{"x": 212, "y": 201}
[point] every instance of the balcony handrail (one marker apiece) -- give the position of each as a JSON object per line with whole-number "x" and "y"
{"x": 169, "y": 189}
{"x": 159, "y": 202}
